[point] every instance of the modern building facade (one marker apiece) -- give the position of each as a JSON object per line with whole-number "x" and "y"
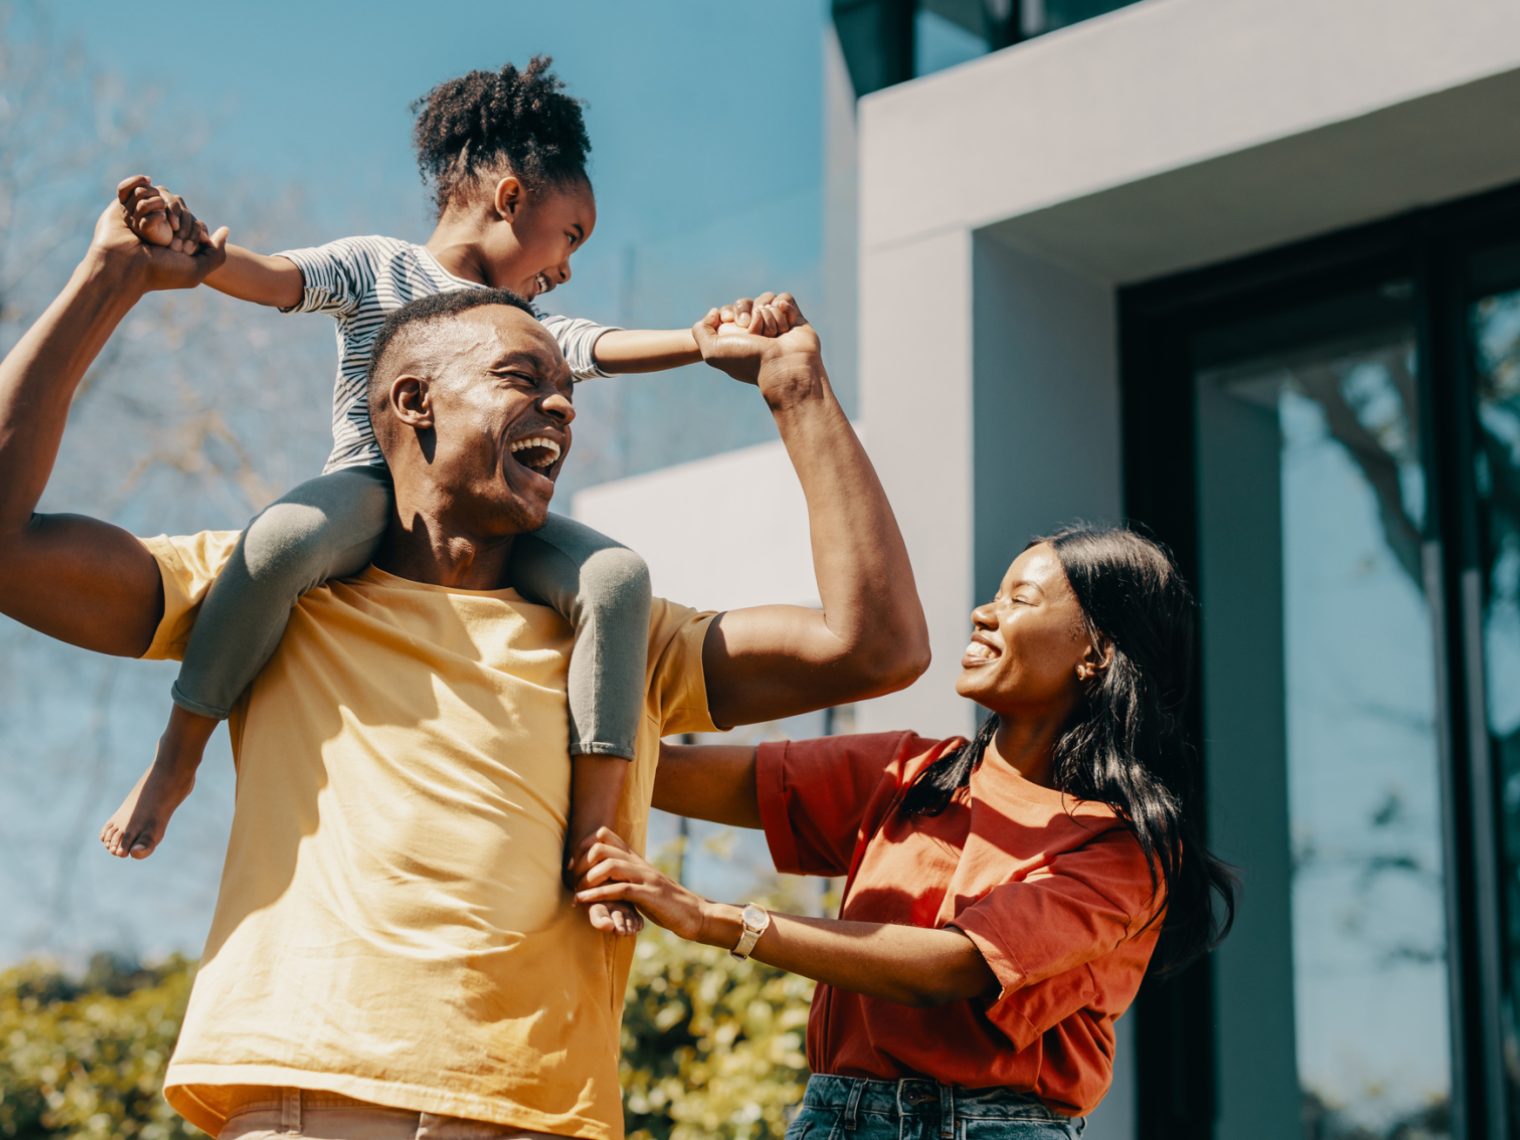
{"x": 1248, "y": 274}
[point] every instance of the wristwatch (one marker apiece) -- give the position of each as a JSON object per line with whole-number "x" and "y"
{"x": 757, "y": 921}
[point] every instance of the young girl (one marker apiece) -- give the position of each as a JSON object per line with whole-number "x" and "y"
{"x": 506, "y": 156}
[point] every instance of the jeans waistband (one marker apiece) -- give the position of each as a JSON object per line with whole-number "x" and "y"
{"x": 915, "y": 1096}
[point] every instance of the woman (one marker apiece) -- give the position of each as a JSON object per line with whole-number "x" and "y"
{"x": 1004, "y": 894}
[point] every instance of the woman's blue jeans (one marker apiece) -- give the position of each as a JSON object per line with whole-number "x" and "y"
{"x": 848, "y": 1108}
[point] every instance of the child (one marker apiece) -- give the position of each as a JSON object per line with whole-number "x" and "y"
{"x": 506, "y": 155}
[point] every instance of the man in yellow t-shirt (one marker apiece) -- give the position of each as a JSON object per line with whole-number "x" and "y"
{"x": 393, "y": 952}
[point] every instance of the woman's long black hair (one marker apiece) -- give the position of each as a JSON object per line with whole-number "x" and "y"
{"x": 1126, "y": 745}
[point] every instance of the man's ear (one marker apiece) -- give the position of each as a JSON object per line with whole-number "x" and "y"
{"x": 412, "y": 401}
{"x": 510, "y": 194}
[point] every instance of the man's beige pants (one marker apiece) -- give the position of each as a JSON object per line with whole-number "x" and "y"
{"x": 294, "y": 1114}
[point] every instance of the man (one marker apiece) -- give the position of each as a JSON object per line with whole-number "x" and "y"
{"x": 392, "y": 950}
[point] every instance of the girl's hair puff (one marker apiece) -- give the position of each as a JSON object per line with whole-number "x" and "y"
{"x": 486, "y": 123}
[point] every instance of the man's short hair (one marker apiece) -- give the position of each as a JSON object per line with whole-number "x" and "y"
{"x": 424, "y": 310}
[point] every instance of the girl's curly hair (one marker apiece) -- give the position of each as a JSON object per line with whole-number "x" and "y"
{"x": 472, "y": 127}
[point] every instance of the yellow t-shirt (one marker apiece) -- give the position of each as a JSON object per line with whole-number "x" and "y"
{"x": 391, "y": 923}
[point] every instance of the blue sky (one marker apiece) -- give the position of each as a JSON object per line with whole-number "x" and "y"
{"x": 707, "y": 138}
{"x": 695, "y": 109}
{"x": 706, "y": 132}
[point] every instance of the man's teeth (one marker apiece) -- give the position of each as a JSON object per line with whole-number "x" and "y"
{"x": 542, "y": 282}
{"x": 548, "y": 446}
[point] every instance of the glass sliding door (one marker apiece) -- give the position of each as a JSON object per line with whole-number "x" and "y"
{"x": 1494, "y": 329}
{"x": 1320, "y": 721}
{"x": 1329, "y": 436}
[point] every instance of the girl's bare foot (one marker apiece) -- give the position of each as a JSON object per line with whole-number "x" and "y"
{"x": 615, "y": 918}
{"x": 139, "y": 823}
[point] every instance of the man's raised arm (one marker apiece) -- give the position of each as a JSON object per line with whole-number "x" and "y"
{"x": 74, "y": 578}
{"x": 870, "y": 636}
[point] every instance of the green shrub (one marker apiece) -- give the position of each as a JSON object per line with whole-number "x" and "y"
{"x": 712, "y": 1047}
{"x": 84, "y": 1058}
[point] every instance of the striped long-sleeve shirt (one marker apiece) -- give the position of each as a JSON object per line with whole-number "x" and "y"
{"x": 362, "y": 280}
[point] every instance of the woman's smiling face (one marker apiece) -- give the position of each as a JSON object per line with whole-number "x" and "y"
{"x": 1030, "y": 643}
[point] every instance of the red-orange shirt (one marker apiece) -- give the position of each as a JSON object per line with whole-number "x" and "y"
{"x": 1053, "y": 891}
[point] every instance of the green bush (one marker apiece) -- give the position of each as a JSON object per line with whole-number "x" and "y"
{"x": 712, "y": 1047}
{"x": 84, "y": 1057}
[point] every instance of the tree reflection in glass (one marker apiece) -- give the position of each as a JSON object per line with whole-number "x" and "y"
{"x": 1310, "y": 454}
{"x": 1496, "y": 351}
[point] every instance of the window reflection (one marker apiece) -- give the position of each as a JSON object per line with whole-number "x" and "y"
{"x": 1312, "y": 581}
{"x": 1495, "y": 323}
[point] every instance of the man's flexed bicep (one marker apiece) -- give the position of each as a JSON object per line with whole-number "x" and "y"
{"x": 76, "y": 578}
{"x": 870, "y": 636}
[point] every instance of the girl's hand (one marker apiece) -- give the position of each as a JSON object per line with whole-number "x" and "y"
{"x": 617, "y": 874}
{"x": 777, "y": 334}
{"x": 606, "y": 917}
{"x": 769, "y": 314}
{"x": 155, "y": 267}
{"x": 159, "y": 217}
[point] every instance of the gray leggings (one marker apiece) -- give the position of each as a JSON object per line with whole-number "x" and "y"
{"x": 329, "y": 527}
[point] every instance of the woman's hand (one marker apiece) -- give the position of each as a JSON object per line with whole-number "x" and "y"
{"x": 617, "y": 874}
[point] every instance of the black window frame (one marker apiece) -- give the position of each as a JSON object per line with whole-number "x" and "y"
{"x": 879, "y": 37}
{"x": 1157, "y": 322}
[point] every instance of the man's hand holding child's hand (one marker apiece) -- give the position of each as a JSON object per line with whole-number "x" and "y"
{"x": 159, "y": 217}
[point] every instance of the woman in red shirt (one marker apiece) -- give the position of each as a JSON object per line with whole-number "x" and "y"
{"x": 1004, "y": 895}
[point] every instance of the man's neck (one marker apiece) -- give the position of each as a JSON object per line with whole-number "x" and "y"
{"x": 454, "y": 245}
{"x": 417, "y": 548}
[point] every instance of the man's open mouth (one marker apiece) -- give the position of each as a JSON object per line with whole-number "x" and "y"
{"x": 537, "y": 452}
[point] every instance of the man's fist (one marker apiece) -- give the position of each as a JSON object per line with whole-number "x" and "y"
{"x": 155, "y": 266}
{"x": 753, "y": 338}
{"x": 159, "y": 217}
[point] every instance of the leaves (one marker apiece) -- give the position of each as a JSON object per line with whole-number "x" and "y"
{"x": 712, "y": 1047}
{"x": 85, "y": 1058}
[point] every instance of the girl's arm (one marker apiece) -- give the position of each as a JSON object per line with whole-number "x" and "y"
{"x": 159, "y": 217}
{"x": 644, "y": 350}
{"x": 908, "y": 964}
{"x": 623, "y": 351}
{"x": 715, "y": 782}
{"x": 258, "y": 277}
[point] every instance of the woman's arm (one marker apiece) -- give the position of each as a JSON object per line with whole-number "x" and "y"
{"x": 908, "y": 964}
{"x": 715, "y": 782}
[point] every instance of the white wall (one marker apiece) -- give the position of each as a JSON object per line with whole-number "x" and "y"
{"x": 1168, "y": 134}
{"x": 719, "y": 533}
{"x": 915, "y": 370}
{"x": 1004, "y": 202}
{"x": 1168, "y": 85}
